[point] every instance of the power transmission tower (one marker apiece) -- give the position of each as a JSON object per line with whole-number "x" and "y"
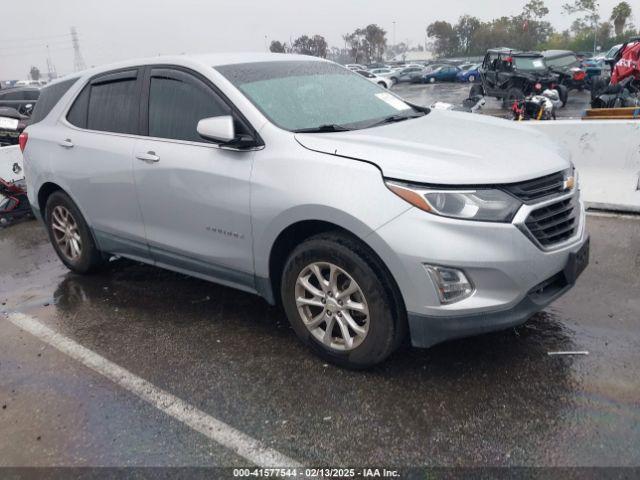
{"x": 51, "y": 68}
{"x": 78, "y": 61}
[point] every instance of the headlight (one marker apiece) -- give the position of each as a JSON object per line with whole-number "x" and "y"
{"x": 488, "y": 205}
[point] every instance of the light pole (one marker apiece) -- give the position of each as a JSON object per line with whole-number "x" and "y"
{"x": 394, "y": 33}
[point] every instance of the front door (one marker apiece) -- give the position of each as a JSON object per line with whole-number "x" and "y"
{"x": 194, "y": 195}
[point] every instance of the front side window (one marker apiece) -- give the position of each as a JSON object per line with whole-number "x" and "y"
{"x": 300, "y": 95}
{"x": 177, "y": 102}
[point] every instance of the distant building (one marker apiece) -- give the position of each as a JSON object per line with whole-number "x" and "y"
{"x": 414, "y": 56}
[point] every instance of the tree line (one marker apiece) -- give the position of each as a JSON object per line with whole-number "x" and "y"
{"x": 530, "y": 31}
{"x": 470, "y": 36}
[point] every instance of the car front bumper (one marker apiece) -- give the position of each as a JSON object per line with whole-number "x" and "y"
{"x": 513, "y": 276}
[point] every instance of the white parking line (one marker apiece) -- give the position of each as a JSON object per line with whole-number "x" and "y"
{"x": 218, "y": 431}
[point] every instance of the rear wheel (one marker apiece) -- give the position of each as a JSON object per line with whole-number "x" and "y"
{"x": 382, "y": 84}
{"x": 70, "y": 235}
{"x": 338, "y": 305}
{"x": 471, "y": 78}
{"x": 432, "y": 80}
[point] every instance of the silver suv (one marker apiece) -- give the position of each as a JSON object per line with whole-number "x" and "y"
{"x": 293, "y": 178}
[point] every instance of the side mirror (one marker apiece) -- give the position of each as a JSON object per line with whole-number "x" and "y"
{"x": 218, "y": 129}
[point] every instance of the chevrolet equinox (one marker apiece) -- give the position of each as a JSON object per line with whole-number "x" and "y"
{"x": 366, "y": 217}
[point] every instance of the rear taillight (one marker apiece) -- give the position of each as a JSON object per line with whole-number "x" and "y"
{"x": 22, "y": 140}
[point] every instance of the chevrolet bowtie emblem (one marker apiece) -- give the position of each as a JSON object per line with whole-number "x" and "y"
{"x": 569, "y": 183}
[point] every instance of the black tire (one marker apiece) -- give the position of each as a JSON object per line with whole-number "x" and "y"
{"x": 513, "y": 95}
{"x": 563, "y": 92}
{"x": 90, "y": 258}
{"x": 382, "y": 84}
{"x": 598, "y": 86}
{"x": 387, "y": 317}
{"x": 394, "y": 80}
{"x": 476, "y": 90}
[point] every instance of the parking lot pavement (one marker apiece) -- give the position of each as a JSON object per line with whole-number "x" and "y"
{"x": 455, "y": 93}
{"x": 498, "y": 399}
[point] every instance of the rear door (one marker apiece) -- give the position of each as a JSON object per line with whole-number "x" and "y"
{"x": 94, "y": 157}
{"x": 194, "y": 194}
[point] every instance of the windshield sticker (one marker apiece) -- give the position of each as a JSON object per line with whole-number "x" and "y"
{"x": 538, "y": 64}
{"x": 392, "y": 100}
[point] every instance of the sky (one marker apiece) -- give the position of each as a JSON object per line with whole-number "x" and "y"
{"x": 114, "y": 30}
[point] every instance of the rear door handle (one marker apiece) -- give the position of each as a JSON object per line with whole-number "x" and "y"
{"x": 66, "y": 143}
{"x": 149, "y": 157}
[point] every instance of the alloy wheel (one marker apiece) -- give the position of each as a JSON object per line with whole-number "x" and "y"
{"x": 65, "y": 233}
{"x": 332, "y": 306}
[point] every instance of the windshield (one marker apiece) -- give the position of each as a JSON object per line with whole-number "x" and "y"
{"x": 529, "y": 63}
{"x": 566, "y": 61}
{"x": 301, "y": 95}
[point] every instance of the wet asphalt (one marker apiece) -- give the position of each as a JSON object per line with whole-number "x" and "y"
{"x": 456, "y": 93}
{"x": 493, "y": 400}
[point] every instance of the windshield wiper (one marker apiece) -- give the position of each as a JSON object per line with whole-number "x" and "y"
{"x": 332, "y": 127}
{"x": 395, "y": 118}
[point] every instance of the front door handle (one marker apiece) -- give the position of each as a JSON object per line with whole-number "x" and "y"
{"x": 149, "y": 157}
{"x": 66, "y": 143}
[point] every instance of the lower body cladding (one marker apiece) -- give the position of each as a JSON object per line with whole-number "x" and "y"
{"x": 511, "y": 274}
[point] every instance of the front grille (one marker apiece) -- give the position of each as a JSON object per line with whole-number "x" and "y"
{"x": 554, "y": 223}
{"x": 534, "y": 190}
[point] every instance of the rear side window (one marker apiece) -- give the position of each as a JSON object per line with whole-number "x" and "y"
{"x": 49, "y": 97}
{"x": 108, "y": 104}
{"x": 177, "y": 102}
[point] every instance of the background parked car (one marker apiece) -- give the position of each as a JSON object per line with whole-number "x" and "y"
{"x": 383, "y": 82}
{"x": 447, "y": 73}
{"x": 469, "y": 74}
{"x": 372, "y": 66}
{"x": 12, "y": 123}
{"x": 23, "y": 99}
{"x": 355, "y": 66}
{"x": 408, "y": 74}
{"x": 384, "y": 72}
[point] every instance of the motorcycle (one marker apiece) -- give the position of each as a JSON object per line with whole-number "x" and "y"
{"x": 537, "y": 107}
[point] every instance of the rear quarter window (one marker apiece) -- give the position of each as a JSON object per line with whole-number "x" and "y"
{"x": 49, "y": 97}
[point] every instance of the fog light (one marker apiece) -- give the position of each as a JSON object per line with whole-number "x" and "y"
{"x": 452, "y": 284}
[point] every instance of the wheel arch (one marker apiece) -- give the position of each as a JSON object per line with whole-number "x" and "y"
{"x": 45, "y": 191}
{"x": 296, "y": 233}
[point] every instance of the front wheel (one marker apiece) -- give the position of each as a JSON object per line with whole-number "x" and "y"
{"x": 471, "y": 79}
{"x": 432, "y": 80}
{"x": 476, "y": 90}
{"x": 382, "y": 84}
{"x": 338, "y": 305}
{"x": 70, "y": 235}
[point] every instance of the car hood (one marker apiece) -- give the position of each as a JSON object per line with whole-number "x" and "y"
{"x": 447, "y": 148}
